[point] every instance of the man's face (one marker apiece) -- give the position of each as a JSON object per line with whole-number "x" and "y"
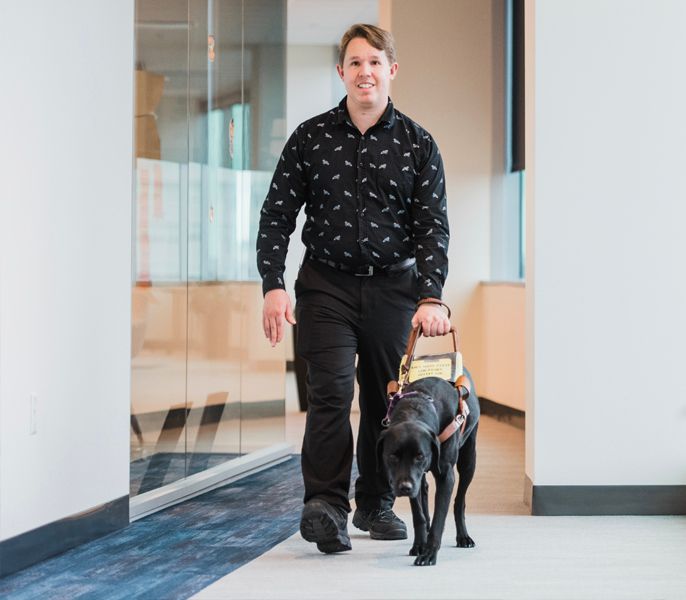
{"x": 366, "y": 74}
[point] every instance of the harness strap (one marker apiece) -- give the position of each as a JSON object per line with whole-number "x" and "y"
{"x": 459, "y": 422}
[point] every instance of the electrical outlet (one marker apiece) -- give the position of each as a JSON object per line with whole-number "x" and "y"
{"x": 33, "y": 414}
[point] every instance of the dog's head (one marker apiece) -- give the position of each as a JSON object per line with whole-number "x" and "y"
{"x": 407, "y": 450}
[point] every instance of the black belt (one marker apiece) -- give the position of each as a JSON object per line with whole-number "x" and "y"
{"x": 366, "y": 270}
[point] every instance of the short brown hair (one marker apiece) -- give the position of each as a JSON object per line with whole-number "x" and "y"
{"x": 375, "y": 36}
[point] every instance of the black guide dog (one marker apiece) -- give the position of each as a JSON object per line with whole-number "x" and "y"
{"x": 409, "y": 447}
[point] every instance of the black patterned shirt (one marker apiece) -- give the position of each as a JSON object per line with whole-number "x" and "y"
{"x": 373, "y": 199}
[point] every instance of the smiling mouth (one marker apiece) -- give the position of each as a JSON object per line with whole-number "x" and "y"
{"x": 365, "y": 86}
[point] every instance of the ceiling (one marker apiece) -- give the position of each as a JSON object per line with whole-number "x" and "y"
{"x": 324, "y": 21}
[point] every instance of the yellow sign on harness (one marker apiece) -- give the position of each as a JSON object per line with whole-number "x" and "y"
{"x": 446, "y": 366}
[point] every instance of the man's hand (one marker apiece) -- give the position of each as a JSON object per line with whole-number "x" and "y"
{"x": 433, "y": 319}
{"x": 277, "y": 306}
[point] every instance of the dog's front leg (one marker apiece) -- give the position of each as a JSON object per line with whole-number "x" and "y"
{"x": 466, "y": 465}
{"x": 419, "y": 523}
{"x": 425, "y": 501}
{"x": 444, "y": 489}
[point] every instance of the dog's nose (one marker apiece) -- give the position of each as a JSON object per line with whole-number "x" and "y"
{"x": 404, "y": 488}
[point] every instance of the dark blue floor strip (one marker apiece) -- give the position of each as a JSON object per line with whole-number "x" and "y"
{"x": 177, "y": 552}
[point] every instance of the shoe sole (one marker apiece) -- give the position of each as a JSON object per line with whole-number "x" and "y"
{"x": 398, "y": 534}
{"x": 318, "y": 527}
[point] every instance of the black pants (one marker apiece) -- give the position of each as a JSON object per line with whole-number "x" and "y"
{"x": 340, "y": 315}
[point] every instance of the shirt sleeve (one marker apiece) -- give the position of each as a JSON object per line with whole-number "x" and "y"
{"x": 287, "y": 193}
{"x": 430, "y": 224}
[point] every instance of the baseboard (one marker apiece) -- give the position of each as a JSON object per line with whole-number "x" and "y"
{"x": 595, "y": 500}
{"x": 38, "y": 544}
{"x": 290, "y": 366}
{"x": 501, "y": 412}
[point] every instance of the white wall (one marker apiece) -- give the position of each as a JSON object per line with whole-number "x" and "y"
{"x": 445, "y": 82}
{"x": 65, "y": 257}
{"x": 608, "y": 301}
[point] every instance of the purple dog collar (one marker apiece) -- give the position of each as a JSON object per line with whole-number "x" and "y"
{"x": 392, "y": 401}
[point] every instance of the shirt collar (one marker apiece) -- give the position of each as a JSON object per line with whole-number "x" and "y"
{"x": 342, "y": 115}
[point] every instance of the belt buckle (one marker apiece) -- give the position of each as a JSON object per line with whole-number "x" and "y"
{"x": 369, "y": 273}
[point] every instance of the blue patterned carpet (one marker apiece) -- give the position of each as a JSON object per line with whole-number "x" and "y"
{"x": 177, "y": 552}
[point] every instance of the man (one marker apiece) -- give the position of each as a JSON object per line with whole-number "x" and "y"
{"x": 376, "y": 234}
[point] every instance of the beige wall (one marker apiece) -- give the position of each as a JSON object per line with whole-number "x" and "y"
{"x": 503, "y": 366}
{"x": 446, "y": 83}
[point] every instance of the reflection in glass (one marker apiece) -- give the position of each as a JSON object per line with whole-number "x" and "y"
{"x": 210, "y": 99}
{"x": 158, "y": 392}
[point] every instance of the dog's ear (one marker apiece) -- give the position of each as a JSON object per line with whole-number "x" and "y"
{"x": 379, "y": 451}
{"x": 436, "y": 453}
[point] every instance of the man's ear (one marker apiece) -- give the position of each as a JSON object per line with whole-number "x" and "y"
{"x": 379, "y": 451}
{"x": 394, "y": 70}
{"x": 339, "y": 69}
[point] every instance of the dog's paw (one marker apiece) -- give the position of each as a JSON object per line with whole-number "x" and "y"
{"x": 416, "y": 550}
{"x": 426, "y": 558}
{"x": 464, "y": 541}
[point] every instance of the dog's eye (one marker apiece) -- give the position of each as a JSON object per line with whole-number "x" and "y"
{"x": 393, "y": 458}
{"x": 419, "y": 457}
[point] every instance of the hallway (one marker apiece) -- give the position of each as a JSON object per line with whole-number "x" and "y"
{"x": 211, "y": 546}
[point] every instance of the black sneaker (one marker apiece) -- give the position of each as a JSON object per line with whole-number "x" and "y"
{"x": 382, "y": 524}
{"x": 326, "y": 526}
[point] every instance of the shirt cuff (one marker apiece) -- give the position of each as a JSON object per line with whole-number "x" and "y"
{"x": 272, "y": 281}
{"x": 434, "y": 291}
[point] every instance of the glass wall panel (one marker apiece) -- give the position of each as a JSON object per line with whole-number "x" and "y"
{"x": 211, "y": 97}
{"x": 158, "y": 390}
{"x": 214, "y": 341}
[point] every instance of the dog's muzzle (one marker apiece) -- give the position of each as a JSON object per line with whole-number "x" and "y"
{"x": 404, "y": 488}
